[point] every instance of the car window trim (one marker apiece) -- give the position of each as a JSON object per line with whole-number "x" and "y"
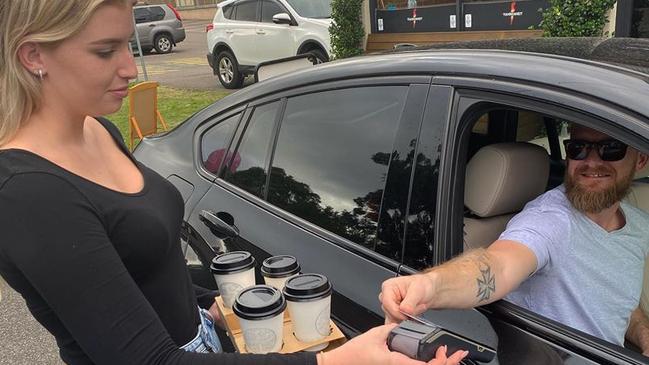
{"x": 331, "y": 85}
{"x": 416, "y": 97}
{"x": 562, "y": 336}
{"x": 270, "y": 154}
{"x": 435, "y": 118}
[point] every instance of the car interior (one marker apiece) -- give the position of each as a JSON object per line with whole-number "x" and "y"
{"x": 514, "y": 156}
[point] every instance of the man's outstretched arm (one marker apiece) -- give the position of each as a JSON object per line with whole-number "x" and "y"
{"x": 475, "y": 278}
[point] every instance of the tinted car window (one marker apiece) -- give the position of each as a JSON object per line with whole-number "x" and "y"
{"x": 227, "y": 11}
{"x": 248, "y": 167}
{"x": 157, "y": 13}
{"x": 329, "y": 165}
{"x": 215, "y": 143}
{"x": 268, "y": 9}
{"x": 142, "y": 15}
{"x": 247, "y": 11}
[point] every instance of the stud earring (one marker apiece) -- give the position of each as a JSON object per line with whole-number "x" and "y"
{"x": 40, "y": 74}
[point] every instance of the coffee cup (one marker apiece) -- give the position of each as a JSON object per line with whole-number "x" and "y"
{"x": 260, "y": 310}
{"x": 308, "y": 297}
{"x": 277, "y": 269}
{"x": 233, "y": 272}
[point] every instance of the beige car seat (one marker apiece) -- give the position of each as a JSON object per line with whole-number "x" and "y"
{"x": 500, "y": 179}
{"x": 639, "y": 197}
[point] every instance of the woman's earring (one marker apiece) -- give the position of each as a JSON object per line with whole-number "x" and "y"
{"x": 40, "y": 74}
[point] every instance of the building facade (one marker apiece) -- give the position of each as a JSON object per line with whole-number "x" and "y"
{"x": 391, "y": 22}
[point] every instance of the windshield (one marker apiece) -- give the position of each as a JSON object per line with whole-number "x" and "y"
{"x": 312, "y": 8}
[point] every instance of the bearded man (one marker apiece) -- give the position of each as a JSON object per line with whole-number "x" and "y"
{"x": 575, "y": 254}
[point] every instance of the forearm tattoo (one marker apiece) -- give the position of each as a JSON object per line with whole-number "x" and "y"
{"x": 486, "y": 282}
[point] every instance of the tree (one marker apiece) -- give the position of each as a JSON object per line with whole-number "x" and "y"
{"x": 347, "y": 28}
{"x": 576, "y": 18}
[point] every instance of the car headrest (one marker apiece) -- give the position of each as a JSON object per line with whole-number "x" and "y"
{"x": 501, "y": 178}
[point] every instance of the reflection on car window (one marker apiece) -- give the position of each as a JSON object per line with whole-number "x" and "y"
{"x": 247, "y": 11}
{"x": 268, "y": 9}
{"x": 329, "y": 166}
{"x": 248, "y": 168}
{"x": 215, "y": 143}
{"x": 320, "y": 9}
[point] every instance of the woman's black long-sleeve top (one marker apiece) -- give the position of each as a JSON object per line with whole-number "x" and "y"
{"x": 102, "y": 270}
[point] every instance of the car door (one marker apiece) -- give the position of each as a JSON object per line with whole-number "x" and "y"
{"x": 274, "y": 41}
{"x": 328, "y": 150}
{"x": 520, "y": 336}
{"x": 241, "y": 32}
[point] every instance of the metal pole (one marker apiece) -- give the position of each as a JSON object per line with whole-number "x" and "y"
{"x": 139, "y": 49}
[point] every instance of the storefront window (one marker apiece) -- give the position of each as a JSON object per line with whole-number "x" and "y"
{"x": 410, "y": 4}
{"x": 640, "y": 25}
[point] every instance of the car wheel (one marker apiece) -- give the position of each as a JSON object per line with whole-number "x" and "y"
{"x": 163, "y": 43}
{"x": 227, "y": 70}
{"x": 318, "y": 56}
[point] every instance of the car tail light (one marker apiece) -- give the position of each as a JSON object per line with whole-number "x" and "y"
{"x": 175, "y": 11}
{"x": 209, "y": 27}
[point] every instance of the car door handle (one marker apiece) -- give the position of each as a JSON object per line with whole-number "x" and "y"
{"x": 261, "y": 32}
{"x": 151, "y": 25}
{"x": 221, "y": 223}
{"x": 228, "y": 31}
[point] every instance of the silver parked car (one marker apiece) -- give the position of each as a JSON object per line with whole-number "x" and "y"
{"x": 159, "y": 27}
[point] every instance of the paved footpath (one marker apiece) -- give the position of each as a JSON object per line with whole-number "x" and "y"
{"x": 23, "y": 341}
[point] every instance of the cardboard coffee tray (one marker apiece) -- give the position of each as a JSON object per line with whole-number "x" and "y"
{"x": 291, "y": 343}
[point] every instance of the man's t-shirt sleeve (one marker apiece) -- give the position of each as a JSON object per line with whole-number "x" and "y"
{"x": 540, "y": 230}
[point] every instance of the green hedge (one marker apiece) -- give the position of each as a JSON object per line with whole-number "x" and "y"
{"x": 576, "y": 18}
{"x": 347, "y": 29}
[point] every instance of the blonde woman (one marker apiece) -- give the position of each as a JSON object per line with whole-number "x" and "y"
{"x": 89, "y": 235}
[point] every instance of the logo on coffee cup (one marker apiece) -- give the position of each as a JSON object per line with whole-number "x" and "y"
{"x": 259, "y": 340}
{"x": 229, "y": 291}
{"x": 322, "y": 322}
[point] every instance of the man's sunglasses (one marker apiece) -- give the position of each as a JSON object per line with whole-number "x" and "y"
{"x": 608, "y": 150}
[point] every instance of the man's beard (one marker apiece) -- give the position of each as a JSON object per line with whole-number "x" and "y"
{"x": 587, "y": 201}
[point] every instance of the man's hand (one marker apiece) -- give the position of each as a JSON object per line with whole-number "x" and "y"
{"x": 411, "y": 294}
{"x": 371, "y": 348}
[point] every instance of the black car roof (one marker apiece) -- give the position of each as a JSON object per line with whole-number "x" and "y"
{"x": 613, "y": 73}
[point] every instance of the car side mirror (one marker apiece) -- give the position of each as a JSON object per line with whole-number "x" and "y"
{"x": 282, "y": 18}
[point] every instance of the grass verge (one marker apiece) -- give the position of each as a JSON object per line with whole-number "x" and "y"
{"x": 175, "y": 105}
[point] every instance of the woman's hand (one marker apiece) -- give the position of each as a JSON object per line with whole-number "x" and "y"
{"x": 371, "y": 348}
{"x": 216, "y": 316}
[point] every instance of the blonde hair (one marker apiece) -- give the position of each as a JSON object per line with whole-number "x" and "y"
{"x": 46, "y": 22}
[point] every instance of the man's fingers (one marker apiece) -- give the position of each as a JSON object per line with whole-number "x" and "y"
{"x": 412, "y": 302}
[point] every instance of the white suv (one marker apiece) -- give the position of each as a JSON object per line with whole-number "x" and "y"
{"x": 245, "y": 33}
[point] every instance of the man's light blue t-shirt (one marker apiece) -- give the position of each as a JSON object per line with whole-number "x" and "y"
{"x": 586, "y": 278}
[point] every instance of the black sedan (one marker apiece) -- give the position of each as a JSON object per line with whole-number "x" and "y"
{"x": 372, "y": 167}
